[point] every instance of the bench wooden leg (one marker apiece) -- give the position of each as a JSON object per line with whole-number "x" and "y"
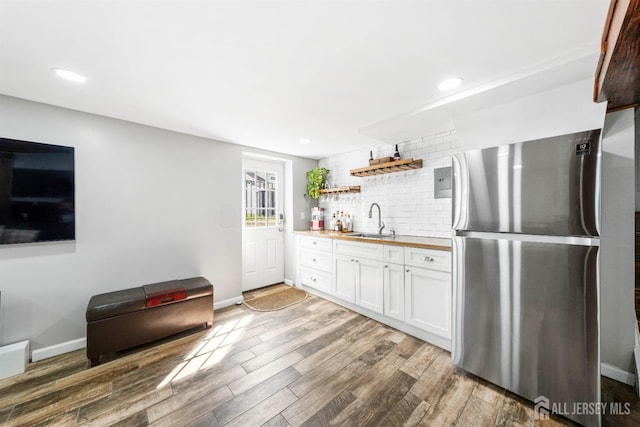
{"x": 208, "y": 325}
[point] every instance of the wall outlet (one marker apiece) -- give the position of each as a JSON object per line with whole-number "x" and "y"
{"x": 302, "y": 216}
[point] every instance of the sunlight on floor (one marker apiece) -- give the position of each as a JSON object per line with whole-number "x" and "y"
{"x": 211, "y": 350}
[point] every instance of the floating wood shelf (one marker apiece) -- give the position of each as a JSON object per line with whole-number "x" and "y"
{"x": 390, "y": 167}
{"x": 340, "y": 190}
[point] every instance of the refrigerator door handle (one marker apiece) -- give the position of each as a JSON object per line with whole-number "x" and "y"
{"x": 534, "y": 238}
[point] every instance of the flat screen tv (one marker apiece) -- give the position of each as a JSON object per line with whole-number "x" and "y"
{"x": 37, "y": 195}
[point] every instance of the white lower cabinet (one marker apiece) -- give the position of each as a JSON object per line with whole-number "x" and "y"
{"x": 315, "y": 263}
{"x": 401, "y": 284}
{"x": 369, "y": 284}
{"x": 319, "y": 280}
{"x": 393, "y": 284}
{"x": 428, "y": 300}
{"x": 344, "y": 267}
{"x": 359, "y": 281}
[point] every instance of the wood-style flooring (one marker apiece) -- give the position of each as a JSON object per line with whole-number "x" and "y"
{"x": 312, "y": 364}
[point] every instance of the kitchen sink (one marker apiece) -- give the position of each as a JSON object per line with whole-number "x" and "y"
{"x": 372, "y": 235}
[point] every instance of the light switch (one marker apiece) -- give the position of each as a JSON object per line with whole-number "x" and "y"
{"x": 302, "y": 215}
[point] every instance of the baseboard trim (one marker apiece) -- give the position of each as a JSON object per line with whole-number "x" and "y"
{"x": 288, "y": 282}
{"x": 617, "y": 374}
{"x": 57, "y": 349}
{"x": 227, "y": 302}
{"x": 66, "y": 347}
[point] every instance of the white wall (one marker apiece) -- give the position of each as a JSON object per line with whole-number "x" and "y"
{"x": 564, "y": 110}
{"x": 149, "y": 207}
{"x": 406, "y": 198}
{"x": 617, "y": 243}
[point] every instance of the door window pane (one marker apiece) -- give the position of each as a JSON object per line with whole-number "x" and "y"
{"x": 260, "y": 198}
{"x": 271, "y": 217}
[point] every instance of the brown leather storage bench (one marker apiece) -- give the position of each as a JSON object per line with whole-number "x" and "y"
{"x": 123, "y": 319}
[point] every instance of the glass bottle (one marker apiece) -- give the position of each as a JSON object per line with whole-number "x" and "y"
{"x": 396, "y": 155}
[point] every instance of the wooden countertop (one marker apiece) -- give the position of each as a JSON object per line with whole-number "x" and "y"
{"x": 437, "y": 243}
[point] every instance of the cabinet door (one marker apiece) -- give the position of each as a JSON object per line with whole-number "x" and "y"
{"x": 369, "y": 284}
{"x": 428, "y": 300}
{"x": 345, "y": 277}
{"x": 394, "y": 291}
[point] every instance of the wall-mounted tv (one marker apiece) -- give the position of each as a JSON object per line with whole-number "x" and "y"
{"x": 37, "y": 192}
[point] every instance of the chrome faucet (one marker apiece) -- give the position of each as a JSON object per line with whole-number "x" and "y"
{"x": 380, "y": 222}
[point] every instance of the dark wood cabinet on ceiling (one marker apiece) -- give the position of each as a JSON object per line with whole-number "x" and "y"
{"x": 617, "y": 79}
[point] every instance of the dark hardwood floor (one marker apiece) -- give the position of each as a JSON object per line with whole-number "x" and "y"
{"x": 312, "y": 364}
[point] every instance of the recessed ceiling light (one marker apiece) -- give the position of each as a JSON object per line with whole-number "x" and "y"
{"x": 450, "y": 83}
{"x": 305, "y": 141}
{"x": 69, "y": 75}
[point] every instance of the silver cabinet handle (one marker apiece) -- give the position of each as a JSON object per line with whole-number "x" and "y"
{"x": 386, "y": 266}
{"x": 313, "y": 279}
{"x": 314, "y": 243}
{"x": 314, "y": 260}
{"x": 357, "y": 260}
{"x": 352, "y": 259}
{"x": 408, "y": 271}
{"x": 428, "y": 259}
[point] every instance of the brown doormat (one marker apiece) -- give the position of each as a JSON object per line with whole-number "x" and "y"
{"x": 281, "y": 297}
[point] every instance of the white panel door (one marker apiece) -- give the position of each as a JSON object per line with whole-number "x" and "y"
{"x": 369, "y": 284}
{"x": 345, "y": 277}
{"x": 428, "y": 300}
{"x": 262, "y": 229}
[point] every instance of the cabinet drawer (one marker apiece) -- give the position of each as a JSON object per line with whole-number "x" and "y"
{"x": 316, "y": 279}
{"x": 372, "y": 251}
{"x": 315, "y": 259}
{"x": 394, "y": 254}
{"x": 428, "y": 258}
{"x": 316, "y": 243}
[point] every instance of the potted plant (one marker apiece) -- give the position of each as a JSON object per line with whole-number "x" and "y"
{"x": 316, "y": 179}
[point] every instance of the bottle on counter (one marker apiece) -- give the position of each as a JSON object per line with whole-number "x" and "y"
{"x": 339, "y": 225}
{"x": 332, "y": 223}
{"x": 349, "y": 223}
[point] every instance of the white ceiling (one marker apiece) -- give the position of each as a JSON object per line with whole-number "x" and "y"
{"x": 268, "y": 73}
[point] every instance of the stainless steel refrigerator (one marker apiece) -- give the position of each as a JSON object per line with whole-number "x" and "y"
{"x": 526, "y": 221}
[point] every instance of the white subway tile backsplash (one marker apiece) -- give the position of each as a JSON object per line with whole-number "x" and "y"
{"x": 406, "y": 198}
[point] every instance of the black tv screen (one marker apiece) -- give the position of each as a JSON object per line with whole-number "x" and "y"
{"x": 37, "y": 195}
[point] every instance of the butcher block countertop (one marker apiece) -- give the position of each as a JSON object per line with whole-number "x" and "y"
{"x": 437, "y": 243}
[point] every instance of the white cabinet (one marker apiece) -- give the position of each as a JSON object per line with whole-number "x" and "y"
{"x": 345, "y": 277}
{"x": 319, "y": 280}
{"x": 428, "y": 258}
{"x": 315, "y": 259}
{"x": 393, "y": 285}
{"x": 427, "y": 291}
{"x": 315, "y": 263}
{"x": 369, "y": 284}
{"x": 372, "y": 251}
{"x": 359, "y": 273}
{"x": 408, "y": 288}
